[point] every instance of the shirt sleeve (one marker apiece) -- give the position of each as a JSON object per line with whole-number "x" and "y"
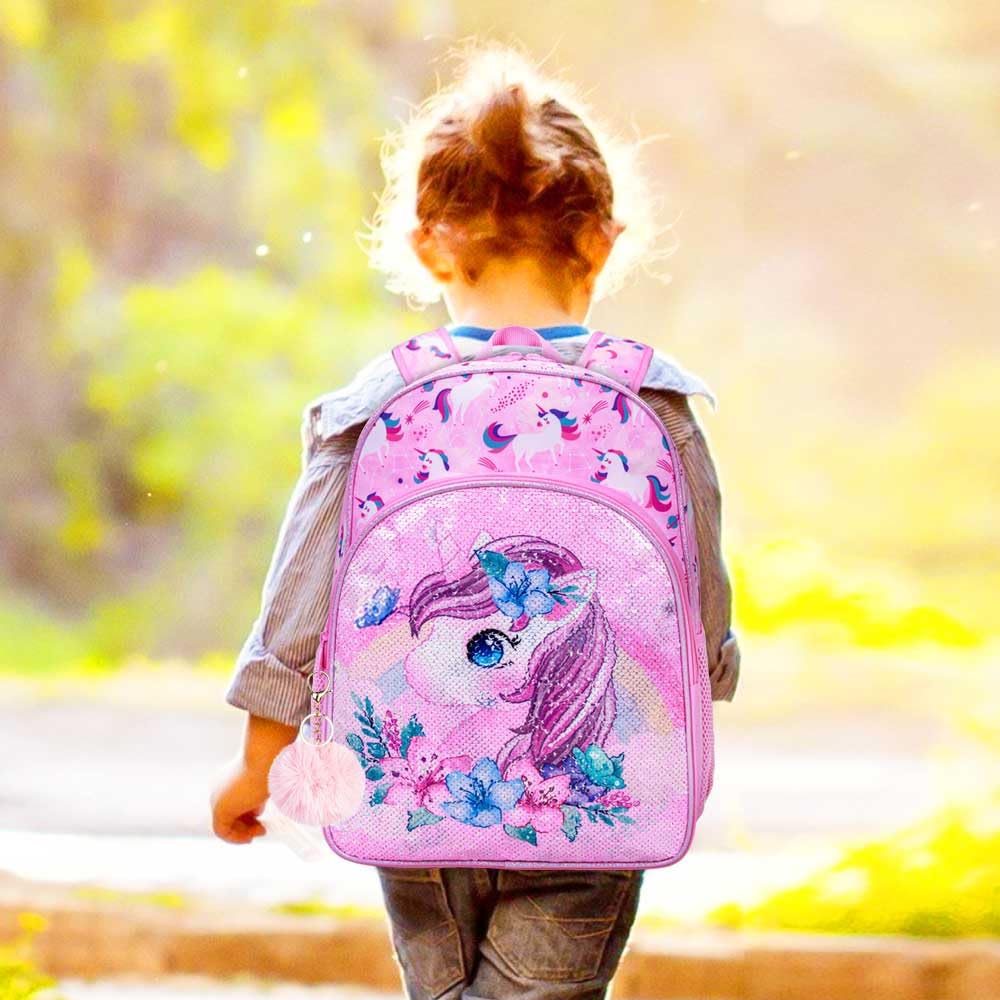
{"x": 271, "y": 677}
{"x": 674, "y": 409}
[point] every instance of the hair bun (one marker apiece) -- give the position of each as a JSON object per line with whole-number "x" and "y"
{"x": 498, "y": 132}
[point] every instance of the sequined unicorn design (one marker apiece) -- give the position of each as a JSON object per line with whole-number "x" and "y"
{"x": 552, "y": 428}
{"x": 521, "y": 633}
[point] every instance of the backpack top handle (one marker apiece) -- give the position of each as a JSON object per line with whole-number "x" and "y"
{"x": 522, "y": 337}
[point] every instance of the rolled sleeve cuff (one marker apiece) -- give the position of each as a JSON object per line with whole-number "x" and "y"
{"x": 265, "y": 686}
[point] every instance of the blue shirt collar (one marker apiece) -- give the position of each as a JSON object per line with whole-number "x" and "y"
{"x": 548, "y": 332}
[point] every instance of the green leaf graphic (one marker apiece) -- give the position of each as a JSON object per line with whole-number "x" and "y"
{"x": 571, "y": 822}
{"x": 494, "y": 563}
{"x": 525, "y": 833}
{"x": 421, "y": 817}
{"x": 411, "y": 729}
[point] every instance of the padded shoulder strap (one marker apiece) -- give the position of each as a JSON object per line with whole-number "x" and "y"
{"x": 624, "y": 360}
{"x": 424, "y": 354}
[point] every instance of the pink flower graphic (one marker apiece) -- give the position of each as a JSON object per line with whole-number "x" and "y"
{"x": 617, "y": 797}
{"x": 418, "y": 778}
{"x": 542, "y": 798}
{"x": 390, "y": 733}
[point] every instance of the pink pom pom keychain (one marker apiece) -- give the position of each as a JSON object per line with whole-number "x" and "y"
{"x": 316, "y": 781}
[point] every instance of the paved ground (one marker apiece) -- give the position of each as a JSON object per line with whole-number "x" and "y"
{"x": 189, "y": 988}
{"x": 116, "y": 793}
{"x": 112, "y": 768}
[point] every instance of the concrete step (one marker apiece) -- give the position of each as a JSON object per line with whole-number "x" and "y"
{"x": 190, "y": 987}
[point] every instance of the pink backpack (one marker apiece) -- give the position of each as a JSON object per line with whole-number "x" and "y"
{"x": 514, "y": 651}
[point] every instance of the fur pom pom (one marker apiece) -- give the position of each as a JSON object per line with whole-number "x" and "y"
{"x": 317, "y": 785}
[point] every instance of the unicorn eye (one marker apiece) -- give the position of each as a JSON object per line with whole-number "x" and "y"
{"x": 485, "y": 648}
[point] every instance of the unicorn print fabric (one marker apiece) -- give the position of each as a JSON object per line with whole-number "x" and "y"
{"x": 516, "y": 654}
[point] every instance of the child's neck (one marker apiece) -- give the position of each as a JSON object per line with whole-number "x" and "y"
{"x": 513, "y": 295}
{"x": 492, "y": 318}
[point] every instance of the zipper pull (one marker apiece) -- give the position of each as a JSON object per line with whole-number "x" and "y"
{"x": 321, "y": 678}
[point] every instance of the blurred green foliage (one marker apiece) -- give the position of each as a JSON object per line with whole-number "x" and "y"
{"x": 183, "y": 282}
{"x": 19, "y": 979}
{"x": 940, "y": 878}
{"x": 181, "y": 187}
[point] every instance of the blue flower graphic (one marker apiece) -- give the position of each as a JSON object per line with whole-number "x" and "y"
{"x": 378, "y": 607}
{"x": 522, "y": 592}
{"x": 481, "y": 796}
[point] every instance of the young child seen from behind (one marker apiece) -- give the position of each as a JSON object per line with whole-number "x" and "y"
{"x": 501, "y": 201}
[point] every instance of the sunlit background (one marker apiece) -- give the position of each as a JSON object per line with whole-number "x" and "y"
{"x": 182, "y": 185}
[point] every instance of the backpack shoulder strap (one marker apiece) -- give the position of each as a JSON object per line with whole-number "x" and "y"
{"x": 425, "y": 353}
{"x": 624, "y": 360}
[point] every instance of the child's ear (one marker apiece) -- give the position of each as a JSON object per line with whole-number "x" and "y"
{"x": 595, "y": 240}
{"x": 438, "y": 260}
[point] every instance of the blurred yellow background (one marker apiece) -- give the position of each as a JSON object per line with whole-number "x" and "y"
{"x": 182, "y": 185}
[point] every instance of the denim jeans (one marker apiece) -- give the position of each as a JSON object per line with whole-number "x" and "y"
{"x": 494, "y": 934}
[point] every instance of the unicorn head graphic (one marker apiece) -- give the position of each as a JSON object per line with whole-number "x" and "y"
{"x": 522, "y": 627}
{"x": 433, "y": 461}
{"x": 371, "y": 504}
{"x": 615, "y": 472}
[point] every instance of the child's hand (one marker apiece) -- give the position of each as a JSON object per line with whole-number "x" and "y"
{"x": 241, "y": 792}
{"x": 237, "y": 801}
{"x": 725, "y": 674}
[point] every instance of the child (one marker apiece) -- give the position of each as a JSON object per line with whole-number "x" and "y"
{"x": 507, "y": 203}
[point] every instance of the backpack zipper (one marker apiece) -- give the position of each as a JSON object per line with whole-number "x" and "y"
{"x": 476, "y": 366}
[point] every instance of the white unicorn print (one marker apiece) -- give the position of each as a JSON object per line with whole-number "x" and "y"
{"x": 456, "y": 399}
{"x": 614, "y": 471}
{"x": 552, "y": 427}
{"x": 385, "y": 430}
